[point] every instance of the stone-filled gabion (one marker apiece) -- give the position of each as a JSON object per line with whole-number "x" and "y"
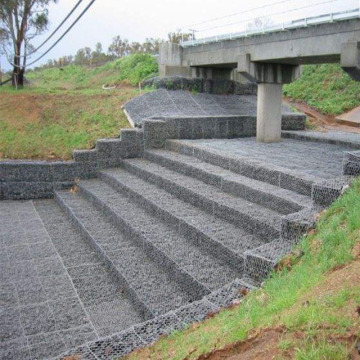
{"x": 167, "y": 225}
{"x": 181, "y": 103}
{"x": 351, "y": 164}
{"x": 216, "y": 86}
{"x": 145, "y": 333}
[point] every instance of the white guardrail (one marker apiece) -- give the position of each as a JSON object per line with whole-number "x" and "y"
{"x": 294, "y": 24}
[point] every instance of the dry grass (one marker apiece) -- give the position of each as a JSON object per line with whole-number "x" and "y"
{"x": 37, "y": 124}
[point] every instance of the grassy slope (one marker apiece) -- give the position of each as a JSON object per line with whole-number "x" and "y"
{"x": 65, "y": 110}
{"x": 327, "y": 88}
{"x": 313, "y": 303}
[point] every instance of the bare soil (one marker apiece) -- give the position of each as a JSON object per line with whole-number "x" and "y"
{"x": 320, "y": 121}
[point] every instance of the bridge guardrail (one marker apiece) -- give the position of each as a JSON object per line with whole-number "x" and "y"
{"x": 294, "y": 24}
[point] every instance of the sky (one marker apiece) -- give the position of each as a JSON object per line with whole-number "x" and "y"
{"x": 136, "y": 20}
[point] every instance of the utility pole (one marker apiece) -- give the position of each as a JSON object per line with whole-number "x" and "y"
{"x": 193, "y": 33}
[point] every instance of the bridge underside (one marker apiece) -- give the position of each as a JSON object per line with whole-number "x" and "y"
{"x": 270, "y": 60}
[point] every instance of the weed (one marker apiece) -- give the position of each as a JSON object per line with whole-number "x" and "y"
{"x": 313, "y": 349}
{"x": 325, "y": 87}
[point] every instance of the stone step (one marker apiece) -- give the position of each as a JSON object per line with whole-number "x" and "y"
{"x": 256, "y": 219}
{"x": 108, "y": 308}
{"x": 214, "y": 236}
{"x": 280, "y": 173}
{"x": 150, "y": 288}
{"x": 271, "y": 196}
{"x": 171, "y": 247}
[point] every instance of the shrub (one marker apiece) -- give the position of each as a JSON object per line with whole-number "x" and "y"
{"x": 136, "y": 68}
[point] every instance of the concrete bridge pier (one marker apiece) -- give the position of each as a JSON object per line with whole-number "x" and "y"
{"x": 268, "y": 125}
{"x": 350, "y": 58}
{"x": 270, "y": 78}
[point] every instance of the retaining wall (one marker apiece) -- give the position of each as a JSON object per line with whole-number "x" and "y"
{"x": 20, "y": 180}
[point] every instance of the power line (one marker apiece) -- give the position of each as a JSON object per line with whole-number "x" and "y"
{"x": 238, "y": 13}
{"x": 53, "y": 33}
{"x": 277, "y": 13}
{"x": 63, "y": 35}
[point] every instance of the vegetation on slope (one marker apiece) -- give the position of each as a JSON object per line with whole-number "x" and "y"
{"x": 307, "y": 310}
{"x": 327, "y": 88}
{"x": 67, "y": 109}
{"x": 131, "y": 69}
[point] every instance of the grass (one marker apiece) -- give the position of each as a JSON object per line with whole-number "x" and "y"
{"x": 37, "y": 125}
{"x": 131, "y": 69}
{"x": 67, "y": 109}
{"x": 314, "y": 302}
{"x": 326, "y": 88}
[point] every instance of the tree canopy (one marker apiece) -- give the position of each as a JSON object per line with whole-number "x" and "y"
{"x": 20, "y": 22}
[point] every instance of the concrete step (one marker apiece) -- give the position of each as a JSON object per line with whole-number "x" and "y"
{"x": 150, "y": 288}
{"x": 171, "y": 247}
{"x": 270, "y": 196}
{"x": 253, "y": 218}
{"x": 108, "y": 307}
{"x": 202, "y": 231}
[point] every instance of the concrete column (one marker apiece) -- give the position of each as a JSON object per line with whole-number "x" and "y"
{"x": 268, "y": 125}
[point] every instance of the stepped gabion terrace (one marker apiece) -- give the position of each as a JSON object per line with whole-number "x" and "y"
{"x": 156, "y": 229}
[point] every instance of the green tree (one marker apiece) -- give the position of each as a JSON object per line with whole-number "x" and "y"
{"x": 178, "y": 36}
{"x": 98, "y": 48}
{"x": 119, "y": 47}
{"x": 151, "y": 45}
{"x": 98, "y": 57}
{"x": 20, "y": 22}
{"x": 83, "y": 56}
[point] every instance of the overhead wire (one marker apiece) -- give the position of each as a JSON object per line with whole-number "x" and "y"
{"x": 54, "y": 32}
{"x": 276, "y": 13}
{"x": 62, "y": 36}
{"x": 238, "y": 13}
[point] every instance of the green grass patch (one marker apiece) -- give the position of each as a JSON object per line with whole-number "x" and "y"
{"x": 325, "y": 87}
{"x": 66, "y": 109}
{"x": 56, "y": 124}
{"x": 281, "y": 300}
{"x": 132, "y": 69}
{"x": 320, "y": 350}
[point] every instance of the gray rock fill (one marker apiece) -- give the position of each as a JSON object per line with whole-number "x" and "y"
{"x": 164, "y": 102}
{"x": 163, "y": 223}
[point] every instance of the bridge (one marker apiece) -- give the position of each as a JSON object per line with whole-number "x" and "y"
{"x": 271, "y": 56}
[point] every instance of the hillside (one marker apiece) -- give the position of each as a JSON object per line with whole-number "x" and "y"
{"x": 326, "y": 88}
{"x": 66, "y": 109}
{"x": 307, "y": 310}
{"x": 131, "y": 70}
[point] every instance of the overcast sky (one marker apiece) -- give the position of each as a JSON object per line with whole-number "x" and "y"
{"x": 139, "y": 19}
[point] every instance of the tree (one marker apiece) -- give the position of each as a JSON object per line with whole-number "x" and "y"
{"x": 98, "y": 57}
{"x": 98, "y": 48}
{"x": 177, "y": 37}
{"x": 119, "y": 47}
{"x": 135, "y": 47}
{"x": 83, "y": 56}
{"x": 20, "y": 22}
{"x": 2, "y": 40}
{"x": 151, "y": 45}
